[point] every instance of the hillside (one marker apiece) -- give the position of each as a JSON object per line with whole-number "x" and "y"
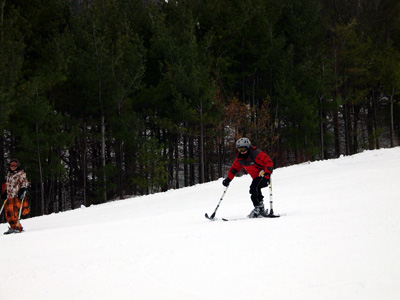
{"x": 339, "y": 239}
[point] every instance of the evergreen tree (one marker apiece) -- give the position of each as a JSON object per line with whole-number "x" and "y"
{"x": 11, "y": 47}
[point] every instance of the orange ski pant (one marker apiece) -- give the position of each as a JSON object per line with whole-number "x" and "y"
{"x": 11, "y": 211}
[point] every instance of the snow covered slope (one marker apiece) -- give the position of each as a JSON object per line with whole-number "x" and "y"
{"x": 339, "y": 239}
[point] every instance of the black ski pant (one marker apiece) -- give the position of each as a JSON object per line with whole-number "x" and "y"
{"x": 255, "y": 190}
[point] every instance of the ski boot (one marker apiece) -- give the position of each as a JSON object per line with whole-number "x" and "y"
{"x": 257, "y": 212}
{"x": 10, "y": 230}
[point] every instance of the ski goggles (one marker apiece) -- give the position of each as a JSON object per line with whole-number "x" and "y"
{"x": 13, "y": 165}
{"x": 242, "y": 149}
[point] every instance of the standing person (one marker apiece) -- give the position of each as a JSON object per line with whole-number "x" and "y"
{"x": 16, "y": 185}
{"x": 258, "y": 164}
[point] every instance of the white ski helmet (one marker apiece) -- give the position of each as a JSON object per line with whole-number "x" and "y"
{"x": 243, "y": 142}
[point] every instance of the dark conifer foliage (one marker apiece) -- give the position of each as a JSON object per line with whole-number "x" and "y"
{"x": 105, "y": 99}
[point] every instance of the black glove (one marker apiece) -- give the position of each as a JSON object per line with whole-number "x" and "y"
{"x": 226, "y": 181}
{"x": 21, "y": 192}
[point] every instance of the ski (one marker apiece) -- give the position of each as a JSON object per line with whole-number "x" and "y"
{"x": 235, "y": 219}
{"x": 223, "y": 219}
{"x": 247, "y": 218}
{"x": 244, "y": 218}
{"x": 13, "y": 232}
{"x": 268, "y": 215}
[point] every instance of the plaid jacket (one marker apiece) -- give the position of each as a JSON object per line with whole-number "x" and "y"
{"x": 15, "y": 181}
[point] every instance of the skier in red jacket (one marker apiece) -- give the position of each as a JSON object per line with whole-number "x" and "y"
{"x": 258, "y": 164}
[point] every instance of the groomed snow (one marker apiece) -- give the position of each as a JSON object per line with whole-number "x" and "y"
{"x": 339, "y": 239}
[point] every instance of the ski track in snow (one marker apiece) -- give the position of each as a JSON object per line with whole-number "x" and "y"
{"x": 339, "y": 239}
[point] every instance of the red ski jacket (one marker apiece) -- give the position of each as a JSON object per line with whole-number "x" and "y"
{"x": 253, "y": 162}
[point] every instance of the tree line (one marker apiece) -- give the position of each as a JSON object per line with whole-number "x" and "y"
{"x": 105, "y": 99}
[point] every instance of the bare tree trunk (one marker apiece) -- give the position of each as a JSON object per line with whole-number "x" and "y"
{"x": 336, "y": 126}
{"x": 103, "y": 126}
{"x": 84, "y": 167}
{"x": 191, "y": 165}
{"x": 391, "y": 120}
{"x": 72, "y": 157}
{"x": 219, "y": 156}
{"x": 356, "y": 117}
{"x": 375, "y": 126}
{"x": 40, "y": 162}
{"x": 177, "y": 162}
{"x": 322, "y": 119}
{"x": 185, "y": 161}
{"x": 201, "y": 144}
{"x": 40, "y": 171}
{"x": 347, "y": 129}
{"x": 170, "y": 163}
{"x": 370, "y": 123}
{"x": 103, "y": 156}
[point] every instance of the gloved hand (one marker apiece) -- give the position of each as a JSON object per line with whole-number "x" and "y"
{"x": 21, "y": 192}
{"x": 264, "y": 174}
{"x": 226, "y": 181}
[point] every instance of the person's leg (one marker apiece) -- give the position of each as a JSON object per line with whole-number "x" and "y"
{"x": 257, "y": 196}
{"x": 255, "y": 190}
{"x": 11, "y": 213}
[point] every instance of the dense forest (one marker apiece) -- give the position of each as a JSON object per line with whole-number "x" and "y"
{"x": 105, "y": 99}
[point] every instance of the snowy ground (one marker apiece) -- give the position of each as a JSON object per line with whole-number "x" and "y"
{"x": 339, "y": 239}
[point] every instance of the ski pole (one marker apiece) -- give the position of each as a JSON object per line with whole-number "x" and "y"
{"x": 4, "y": 204}
{"x": 213, "y": 214}
{"x": 20, "y": 209}
{"x": 271, "y": 210}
